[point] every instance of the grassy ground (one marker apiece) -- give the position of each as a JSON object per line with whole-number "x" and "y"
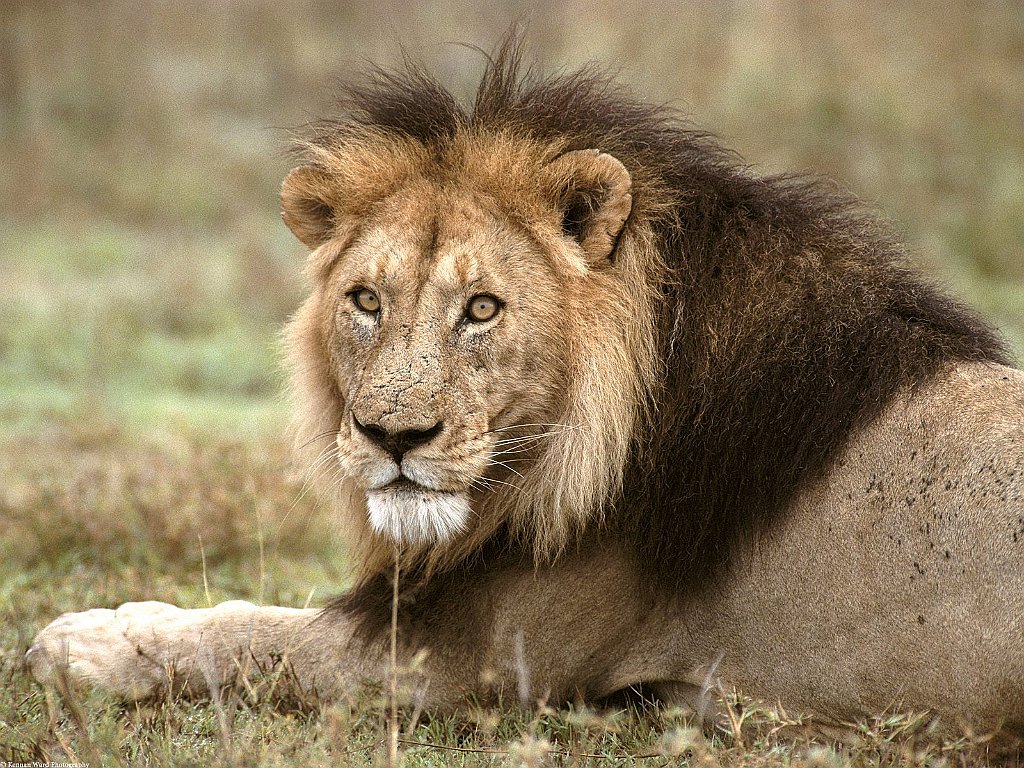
{"x": 145, "y": 277}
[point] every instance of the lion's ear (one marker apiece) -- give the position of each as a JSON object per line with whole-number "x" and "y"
{"x": 593, "y": 191}
{"x": 307, "y": 206}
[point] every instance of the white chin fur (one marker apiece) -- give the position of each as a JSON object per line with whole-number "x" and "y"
{"x": 414, "y": 516}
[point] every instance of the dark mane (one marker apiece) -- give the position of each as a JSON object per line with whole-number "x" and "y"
{"x": 789, "y": 318}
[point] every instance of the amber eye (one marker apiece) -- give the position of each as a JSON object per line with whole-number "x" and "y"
{"x": 482, "y": 308}
{"x": 366, "y": 300}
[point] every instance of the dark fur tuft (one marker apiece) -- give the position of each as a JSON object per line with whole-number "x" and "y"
{"x": 788, "y": 317}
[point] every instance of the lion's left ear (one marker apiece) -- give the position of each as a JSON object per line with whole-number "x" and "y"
{"x": 593, "y": 191}
{"x": 307, "y": 206}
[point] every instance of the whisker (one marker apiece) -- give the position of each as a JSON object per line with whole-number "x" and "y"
{"x": 481, "y": 482}
{"x": 510, "y": 456}
{"x": 524, "y": 426}
{"x": 326, "y": 455}
{"x": 321, "y": 436}
{"x": 514, "y": 439}
{"x": 324, "y": 458}
{"x": 515, "y": 448}
{"x": 503, "y": 465}
{"x": 521, "y": 440}
{"x": 525, "y": 438}
{"x": 489, "y": 482}
{"x": 556, "y": 430}
{"x": 338, "y": 479}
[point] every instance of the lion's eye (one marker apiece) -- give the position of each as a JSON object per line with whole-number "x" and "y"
{"x": 366, "y": 300}
{"x": 482, "y": 308}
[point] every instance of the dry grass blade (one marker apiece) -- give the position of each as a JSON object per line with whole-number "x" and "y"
{"x": 393, "y": 736}
{"x": 69, "y": 697}
{"x": 207, "y": 667}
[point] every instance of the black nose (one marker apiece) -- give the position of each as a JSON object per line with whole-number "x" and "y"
{"x": 400, "y": 442}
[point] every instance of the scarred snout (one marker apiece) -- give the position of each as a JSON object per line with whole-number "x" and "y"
{"x": 397, "y": 415}
{"x": 412, "y": 449}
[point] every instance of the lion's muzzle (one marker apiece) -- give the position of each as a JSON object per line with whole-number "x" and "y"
{"x": 408, "y": 498}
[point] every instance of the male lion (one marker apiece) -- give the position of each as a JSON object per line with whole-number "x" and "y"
{"x": 620, "y": 407}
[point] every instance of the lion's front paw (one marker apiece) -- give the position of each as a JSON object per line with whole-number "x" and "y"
{"x": 121, "y": 651}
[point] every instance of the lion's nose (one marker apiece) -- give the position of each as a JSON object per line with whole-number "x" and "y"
{"x": 399, "y": 442}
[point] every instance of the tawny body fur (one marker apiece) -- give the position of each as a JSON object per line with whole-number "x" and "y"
{"x": 509, "y": 335}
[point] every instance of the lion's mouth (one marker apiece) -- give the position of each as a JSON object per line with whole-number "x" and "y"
{"x": 403, "y": 483}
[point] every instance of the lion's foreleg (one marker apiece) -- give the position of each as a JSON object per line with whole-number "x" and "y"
{"x": 139, "y": 648}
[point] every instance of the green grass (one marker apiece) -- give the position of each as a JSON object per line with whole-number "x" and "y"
{"x": 142, "y": 327}
{"x": 146, "y": 276}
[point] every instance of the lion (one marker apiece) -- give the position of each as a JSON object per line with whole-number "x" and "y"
{"x": 621, "y": 412}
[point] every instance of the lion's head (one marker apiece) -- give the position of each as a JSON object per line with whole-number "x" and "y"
{"x": 477, "y": 348}
{"x": 563, "y": 307}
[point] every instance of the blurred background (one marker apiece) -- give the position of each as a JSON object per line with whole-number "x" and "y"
{"x": 144, "y": 269}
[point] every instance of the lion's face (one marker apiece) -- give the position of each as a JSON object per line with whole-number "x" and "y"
{"x": 443, "y": 318}
{"x": 466, "y": 342}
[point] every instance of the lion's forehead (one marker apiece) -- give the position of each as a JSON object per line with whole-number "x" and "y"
{"x": 399, "y": 253}
{"x": 440, "y": 250}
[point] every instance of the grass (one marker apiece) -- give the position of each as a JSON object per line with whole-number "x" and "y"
{"x": 146, "y": 277}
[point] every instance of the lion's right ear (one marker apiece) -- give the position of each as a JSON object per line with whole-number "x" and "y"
{"x": 307, "y": 205}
